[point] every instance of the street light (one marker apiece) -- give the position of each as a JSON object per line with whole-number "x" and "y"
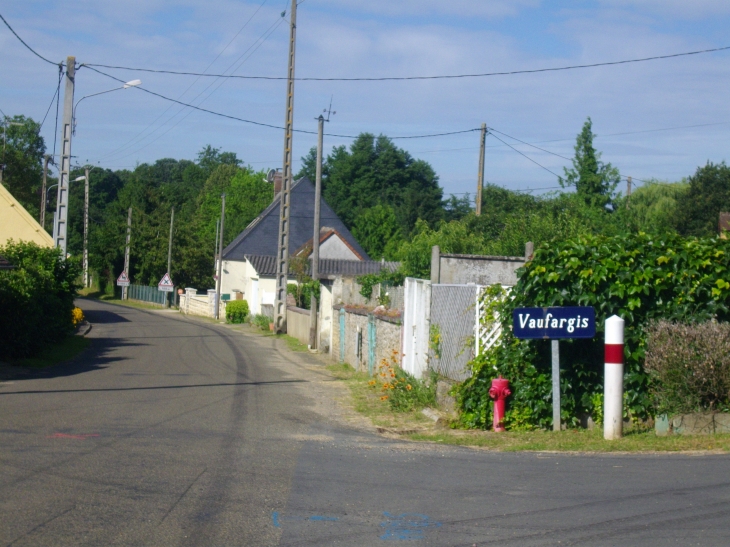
{"x": 131, "y": 83}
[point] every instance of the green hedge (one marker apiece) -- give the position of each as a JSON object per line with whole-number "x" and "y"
{"x": 640, "y": 277}
{"x": 236, "y": 311}
{"x": 36, "y": 298}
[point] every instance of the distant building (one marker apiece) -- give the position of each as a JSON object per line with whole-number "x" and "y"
{"x": 17, "y": 224}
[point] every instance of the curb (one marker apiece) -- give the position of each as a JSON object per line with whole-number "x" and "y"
{"x": 83, "y": 329}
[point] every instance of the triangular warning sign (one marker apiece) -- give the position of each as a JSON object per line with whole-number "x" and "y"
{"x": 123, "y": 280}
{"x": 165, "y": 283}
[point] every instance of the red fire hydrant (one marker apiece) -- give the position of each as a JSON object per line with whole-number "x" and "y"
{"x": 499, "y": 392}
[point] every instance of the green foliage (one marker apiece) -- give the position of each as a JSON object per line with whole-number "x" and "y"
{"x": 690, "y": 366}
{"x": 237, "y": 311}
{"x": 378, "y": 231}
{"x": 403, "y": 391}
{"x": 594, "y": 181}
{"x": 385, "y": 277}
{"x": 655, "y": 208}
{"x": 36, "y": 298}
{"x": 709, "y": 194}
{"x": 376, "y": 172}
{"x": 640, "y": 278}
{"x": 23, "y": 159}
{"x": 261, "y": 321}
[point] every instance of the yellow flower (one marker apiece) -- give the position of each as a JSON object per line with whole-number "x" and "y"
{"x": 384, "y": 397}
{"x": 77, "y": 316}
{"x": 408, "y": 387}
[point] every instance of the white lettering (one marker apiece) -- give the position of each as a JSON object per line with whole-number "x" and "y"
{"x": 532, "y": 323}
{"x": 554, "y": 324}
{"x": 562, "y": 322}
{"x": 585, "y": 322}
{"x": 523, "y": 322}
{"x": 540, "y": 323}
{"x": 571, "y": 322}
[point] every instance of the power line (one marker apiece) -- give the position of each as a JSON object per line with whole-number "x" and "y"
{"x": 524, "y": 155}
{"x": 58, "y": 88}
{"x": 26, "y": 45}
{"x": 438, "y": 77}
{"x": 271, "y": 126}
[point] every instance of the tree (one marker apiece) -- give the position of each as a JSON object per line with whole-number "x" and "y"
{"x": 376, "y": 172}
{"x": 22, "y": 156}
{"x": 654, "y": 208}
{"x": 594, "y": 180}
{"x": 709, "y": 194}
{"x": 457, "y": 208}
{"x": 377, "y": 230}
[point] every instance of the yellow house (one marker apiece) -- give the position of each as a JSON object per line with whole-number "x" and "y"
{"x": 17, "y": 224}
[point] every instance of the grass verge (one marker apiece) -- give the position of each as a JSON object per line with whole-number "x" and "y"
{"x": 415, "y": 426}
{"x": 63, "y": 351}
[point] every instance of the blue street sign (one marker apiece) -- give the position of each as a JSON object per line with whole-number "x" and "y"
{"x": 554, "y": 323}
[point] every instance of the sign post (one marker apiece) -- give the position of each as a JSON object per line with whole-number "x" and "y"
{"x": 554, "y": 324}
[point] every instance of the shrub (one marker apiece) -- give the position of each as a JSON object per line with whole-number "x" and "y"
{"x": 690, "y": 366}
{"x": 261, "y": 321}
{"x": 236, "y": 311}
{"x": 36, "y": 298}
{"x": 402, "y": 390}
{"x": 639, "y": 277}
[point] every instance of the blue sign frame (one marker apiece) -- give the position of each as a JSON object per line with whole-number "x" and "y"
{"x": 554, "y": 323}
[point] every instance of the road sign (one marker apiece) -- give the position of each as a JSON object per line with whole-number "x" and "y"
{"x": 554, "y": 323}
{"x": 165, "y": 284}
{"x": 123, "y": 280}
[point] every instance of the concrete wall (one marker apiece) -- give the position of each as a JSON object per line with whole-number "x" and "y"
{"x": 481, "y": 270}
{"x": 387, "y": 339}
{"x": 240, "y": 276}
{"x": 297, "y": 324}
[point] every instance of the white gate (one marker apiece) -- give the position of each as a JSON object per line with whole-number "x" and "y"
{"x": 416, "y": 325}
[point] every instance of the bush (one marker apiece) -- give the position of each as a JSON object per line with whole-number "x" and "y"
{"x": 402, "y": 390}
{"x": 690, "y": 366}
{"x": 236, "y": 311}
{"x": 261, "y": 321}
{"x": 36, "y": 298}
{"x": 639, "y": 277}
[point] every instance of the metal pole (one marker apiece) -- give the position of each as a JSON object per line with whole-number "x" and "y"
{"x": 556, "y": 385}
{"x": 126, "y": 251}
{"x": 86, "y": 227}
{"x": 613, "y": 380}
{"x": 46, "y": 159}
{"x": 169, "y": 255}
{"x": 315, "y": 240}
{"x": 480, "y": 175}
{"x": 63, "y": 176}
{"x": 282, "y": 256}
{"x": 220, "y": 258}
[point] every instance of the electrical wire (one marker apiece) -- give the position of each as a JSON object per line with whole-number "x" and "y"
{"x": 261, "y": 124}
{"x": 130, "y": 142}
{"x": 524, "y": 155}
{"x": 437, "y": 77}
{"x": 34, "y": 52}
{"x": 58, "y": 89}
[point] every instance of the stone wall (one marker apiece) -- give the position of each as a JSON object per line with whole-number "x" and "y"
{"x": 297, "y": 324}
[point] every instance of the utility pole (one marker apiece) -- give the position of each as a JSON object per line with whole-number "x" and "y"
{"x": 169, "y": 253}
{"x": 59, "y": 236}
{"x": 86, "y": 227}
{"x": 126, "y": 251}
{"x": 215, "y": 254}
{"x": 282, "y": 256}
{"x": 220, "y": 259}
{"x": 480, "y": 175}
{"x": 46, "y": 159}
{"x": 315, "y": 240}
{"x": 628, "y": 191}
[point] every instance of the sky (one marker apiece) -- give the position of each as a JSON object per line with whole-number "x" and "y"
{"x": 659, "y": 119}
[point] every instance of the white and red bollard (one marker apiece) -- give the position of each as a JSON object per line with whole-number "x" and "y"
{"x": 613, "y": 380}
{"x": 499, "y": 392}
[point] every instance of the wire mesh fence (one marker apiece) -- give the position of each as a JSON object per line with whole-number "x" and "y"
{"x": 146, "y": 294}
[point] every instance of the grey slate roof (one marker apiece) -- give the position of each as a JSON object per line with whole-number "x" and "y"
{"x": 266, "y": 265}
{"x": 260, "y": 237}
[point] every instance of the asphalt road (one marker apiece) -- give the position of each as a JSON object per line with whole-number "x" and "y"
{"x": 170, "y": 431}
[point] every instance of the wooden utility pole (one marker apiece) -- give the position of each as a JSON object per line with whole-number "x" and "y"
{"x": 480, "y": 175}
{"x": 220, "y": 259}
{"x": 86, "y": 227}
{"x": 315, "y": 239}
{"x": 628, "y": 191}
{"x": 126, "y": 252}
{"x": 46, "y": 159}
{"x": 169, "y": 253}
{"x": 60, "y": 235}
{"x": 282, "y": 256}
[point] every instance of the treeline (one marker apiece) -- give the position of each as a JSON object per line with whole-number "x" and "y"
{"x": 393, "y": 203}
